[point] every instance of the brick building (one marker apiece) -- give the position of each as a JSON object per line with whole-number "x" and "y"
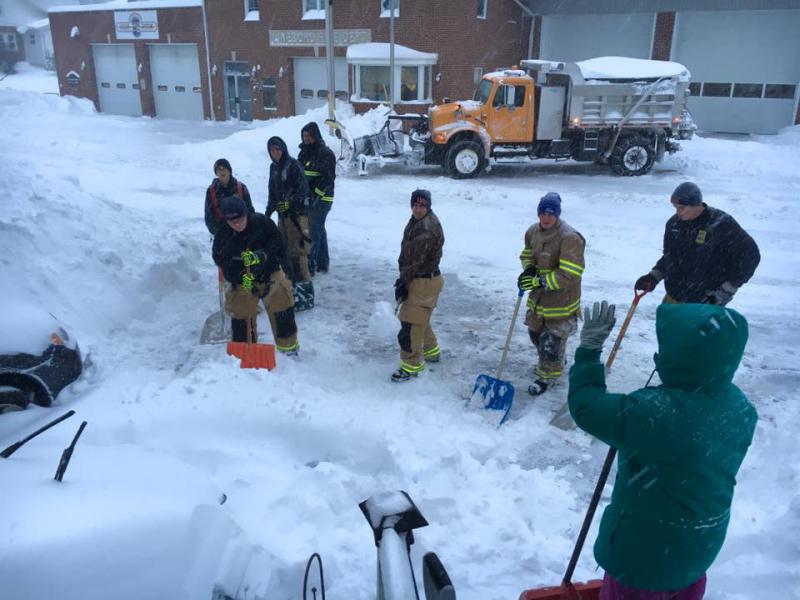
{"x": 266, "y": 58}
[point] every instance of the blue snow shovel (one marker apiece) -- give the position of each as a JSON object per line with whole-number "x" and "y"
{"x": 493, "y": 392}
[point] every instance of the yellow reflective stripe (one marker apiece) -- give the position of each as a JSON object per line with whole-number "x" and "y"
{"x": 552, "y": 283}
{"x": 322, "y": 195}
{"x": 571, "y": 271}
{"x": 327, "y": 198}
{"x": 545, "y": 271}
{"x": 294, "y": 346}
{"x": 409, "y": 368}
{"x": 432, "y": 352}
{"x": 559, "y": 311}
{"x": 312, "y": 173}
{"x": 547, "y": 375}
{"x": 526, "y": 252}
{"x": 564, "y": 263}
{"x": 527, "y": 263}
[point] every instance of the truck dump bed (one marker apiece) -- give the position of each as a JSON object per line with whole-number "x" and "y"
{"x": 616, "y": 91}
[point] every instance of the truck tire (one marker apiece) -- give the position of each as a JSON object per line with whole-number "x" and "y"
{"x": 464, "y": 159}
{"x": 633, "y": 155}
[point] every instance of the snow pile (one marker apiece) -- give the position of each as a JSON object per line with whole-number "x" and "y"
{"x": 105, "y": 229}
{"x": 622, "y": 67}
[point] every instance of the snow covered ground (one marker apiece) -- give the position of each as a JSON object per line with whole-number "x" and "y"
{"x": 102, "y": 225}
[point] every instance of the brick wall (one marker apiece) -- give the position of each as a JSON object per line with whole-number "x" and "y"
{"x": 662, "y": 36}
{"x": 179, "y": 25}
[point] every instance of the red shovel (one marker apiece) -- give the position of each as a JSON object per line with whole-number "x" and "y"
{"x": 591, "y": 589}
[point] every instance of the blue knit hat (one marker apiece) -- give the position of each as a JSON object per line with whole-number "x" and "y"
{"x": 232, "y": 207}
{"x": 688, "y": 194}
{"x": 550, "y": 204}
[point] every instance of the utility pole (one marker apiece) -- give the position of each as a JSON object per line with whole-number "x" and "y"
{"x": 329, "y": 57}
{"x": 392, "y": 5}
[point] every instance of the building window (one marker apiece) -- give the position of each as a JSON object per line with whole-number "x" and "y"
{"x": 373, "y": 83}
{"x": 251, "y": 11}
{"x": 11, "y": 43}
{"x": 694, "y": 88}
{"x": 717, "y": 90}
{"x": 389, "y": 6}
{"x": 32, "y": 39}
{"x": 313, "y": 9}
{"x": 779, "y": 91}
{"x": 482, "y": 8}
{"x": 747, "y": 90}
{"x": 270, "y": 91}
{"x": 413, "y": 83}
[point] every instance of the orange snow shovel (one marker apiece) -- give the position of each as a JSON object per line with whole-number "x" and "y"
{"x": 591, "y": 589}
{"x": 252, "y": 354}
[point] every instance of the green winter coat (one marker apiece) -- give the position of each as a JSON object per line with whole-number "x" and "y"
{"x": 680, "y": 446}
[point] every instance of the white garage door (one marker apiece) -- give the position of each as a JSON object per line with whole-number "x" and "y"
{"x": 745, "y": 68}
{"x": 175, "y": 69}
{"x": 578, "y": 37}
{"x": 117, "y": 79}
{"x": 311, "y": 82}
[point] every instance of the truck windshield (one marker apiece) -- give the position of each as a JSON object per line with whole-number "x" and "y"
{"x": 482, "y": 93}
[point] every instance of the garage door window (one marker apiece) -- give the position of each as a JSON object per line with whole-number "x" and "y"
{"x": 779, "y": 91}
{"x": 270, "y": 91}
{"x": 717, "y": 90}
{"x": 747, "y": 90}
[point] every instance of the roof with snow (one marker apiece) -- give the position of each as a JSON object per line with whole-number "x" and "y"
{"x": 378, "y": 53}
{"x": 126, "y": 5}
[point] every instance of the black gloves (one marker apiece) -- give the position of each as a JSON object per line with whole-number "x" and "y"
{"x": 646, "y": 283}
{"x": 400, "y": 291}
{"x": 528, "y": 279}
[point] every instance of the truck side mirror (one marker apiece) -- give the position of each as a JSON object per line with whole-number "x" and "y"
{"x": 435, "y": 579}
{"x": 445, "y": 100}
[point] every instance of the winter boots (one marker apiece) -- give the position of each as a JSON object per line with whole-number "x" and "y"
{"x": 538, "y": 388}
{"x": 303, "y": 295}
{"x": 401, "y": 376}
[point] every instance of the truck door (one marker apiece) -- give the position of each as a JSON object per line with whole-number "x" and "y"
{"x": 509, "y": 119}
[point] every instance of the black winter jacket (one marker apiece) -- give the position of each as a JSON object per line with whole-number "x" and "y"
{"x": 287, "y": 182}
{"x": 214, "y": 195}
{"x": 319, "y": 163}
{"x": 700, "y": 255}
{"x": 260, "y": 234}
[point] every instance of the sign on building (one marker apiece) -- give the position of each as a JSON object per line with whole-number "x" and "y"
{"x": 136, "y": 25}
{"x": 316, "y": 37}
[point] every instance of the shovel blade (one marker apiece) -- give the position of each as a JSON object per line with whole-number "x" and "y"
{"x": 253, "y": 356}
{"x": 493, "y": 394}
{"x": 214, "y": 329}
{"x": 574, "y": 591}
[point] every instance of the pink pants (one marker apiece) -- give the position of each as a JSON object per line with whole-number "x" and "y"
{"x": 614, "y": 590}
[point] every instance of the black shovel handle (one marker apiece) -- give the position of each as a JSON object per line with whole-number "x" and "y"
{"x": 66, "y": 455}
{"x": 17, "y": 445}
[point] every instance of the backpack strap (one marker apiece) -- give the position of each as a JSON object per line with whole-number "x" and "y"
{"x": 240, "y": 189}
{"x": 215, "y": 202}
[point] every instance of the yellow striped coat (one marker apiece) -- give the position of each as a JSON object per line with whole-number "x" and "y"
{"x": 557, "y": 253}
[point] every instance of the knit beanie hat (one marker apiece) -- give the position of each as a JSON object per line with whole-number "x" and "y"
{"x": 222, "y": 162}
{"x": 232, "y": 207}
{"x": 688, "y": 194}
{"x": 550, "y": 204}
{"x": 423, "y": 195}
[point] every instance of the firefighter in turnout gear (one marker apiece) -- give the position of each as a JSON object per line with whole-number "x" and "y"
{"x": 288, "y": 196}
{"x": 319, "y": 163}
{"x": 250, "y": 251}
{"x": 224, "y": 185}
{"x": 707, "y": 255}
{"x": 418, "y": 287}
{"x": 553, "y": 266}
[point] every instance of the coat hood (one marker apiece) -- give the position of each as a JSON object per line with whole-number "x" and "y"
{"x": 699, "y": 345}
{"x": 313, "y": 129}
{"x": 276, "y": 141}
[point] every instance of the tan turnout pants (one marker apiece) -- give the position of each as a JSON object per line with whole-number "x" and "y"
{"x": 550, "y": 338}
{"x": 279, "y": 303}
{"x": 297, "y": 248}
{"x": 416, "y": 338}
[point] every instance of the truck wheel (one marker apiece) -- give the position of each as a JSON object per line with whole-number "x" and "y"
{"x": 633, "y": 155}
{"x": 465, "y": 159}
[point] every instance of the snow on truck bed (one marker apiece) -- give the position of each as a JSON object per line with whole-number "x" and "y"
{"x": 620, "y": 67}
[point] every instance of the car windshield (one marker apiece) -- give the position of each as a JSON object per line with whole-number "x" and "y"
{"x": 482, "y": 93}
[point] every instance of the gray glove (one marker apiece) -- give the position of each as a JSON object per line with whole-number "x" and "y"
{"x": 723, "y": 295}
{"x": 597, "y": 325}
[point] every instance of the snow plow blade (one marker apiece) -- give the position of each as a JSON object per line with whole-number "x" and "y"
{"x": 573, "y": 591}
{"x": 253, "y": 356}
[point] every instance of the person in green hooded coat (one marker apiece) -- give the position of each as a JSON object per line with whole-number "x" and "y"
{"x": 679, "y": 444}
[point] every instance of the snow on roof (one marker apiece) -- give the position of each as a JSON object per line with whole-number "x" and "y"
{"x": 620, "y": 67}
{"x": 125, "y": 5}
{"x": 40, "y": 24}
{"x": 379, "y": 52}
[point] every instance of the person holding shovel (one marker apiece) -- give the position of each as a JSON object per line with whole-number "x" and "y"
{"x": 418, "y": 287}
{"x": 250, "y": 251}
{"x": 707, "y": 255}
{"x": 223, "y": 185}
{"x": 680, "y": 446}
{"x": 553, "y": 265}
{"x": 288, "y": 195}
